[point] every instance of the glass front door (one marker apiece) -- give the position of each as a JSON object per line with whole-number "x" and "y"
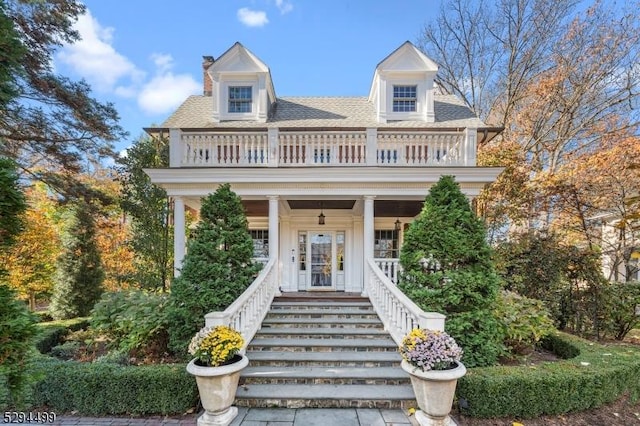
{"x": 321, "y": 251}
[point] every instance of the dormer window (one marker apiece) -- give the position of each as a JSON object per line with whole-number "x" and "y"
{"x": 405, "y": 98}
{"x": 240, "y": 99}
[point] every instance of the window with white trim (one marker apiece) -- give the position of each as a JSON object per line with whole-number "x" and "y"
{"x": 385, "y": 244}
{"x": 260, "y": 239}
{"x": 405, "y": 98}
{"x": 240, "y": 99}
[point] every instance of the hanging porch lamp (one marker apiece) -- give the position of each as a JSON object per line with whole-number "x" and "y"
{"x": 398, "y": 225}
{"x": 321, "y": 216}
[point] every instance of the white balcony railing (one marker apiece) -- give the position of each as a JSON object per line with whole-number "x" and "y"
{"x": 398, "y": 313}
{"x": 276, "y": 148}
{"x": 248, "y": 311}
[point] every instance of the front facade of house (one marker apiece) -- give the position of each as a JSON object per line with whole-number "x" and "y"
{"x": 327, "y": 182}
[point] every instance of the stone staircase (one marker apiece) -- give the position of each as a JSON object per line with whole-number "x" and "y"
{"x": 323, "y": 350}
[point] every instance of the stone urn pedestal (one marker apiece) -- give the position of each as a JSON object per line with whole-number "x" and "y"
{"x": 217, "y": 387}
{"x": 434, "y": 390}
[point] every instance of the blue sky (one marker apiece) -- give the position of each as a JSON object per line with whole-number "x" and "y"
{"x": 145, "y": 56}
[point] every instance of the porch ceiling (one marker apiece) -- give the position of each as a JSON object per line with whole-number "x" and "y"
{"x": 382, "y": 208}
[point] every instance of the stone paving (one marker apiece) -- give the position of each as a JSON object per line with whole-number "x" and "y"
{"x": 264, "y": 417}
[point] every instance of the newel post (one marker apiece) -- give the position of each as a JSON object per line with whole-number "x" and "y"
{"x": 431, "y": 321}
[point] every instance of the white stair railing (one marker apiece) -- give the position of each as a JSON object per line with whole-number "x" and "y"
{"x": 390, "y": 267}
{"x": 398, "y": 313}
{"x": 248, "y": 311}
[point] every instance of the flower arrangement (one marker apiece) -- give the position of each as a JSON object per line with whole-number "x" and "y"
{"x": 214, "y": 346}
{"x": 430, "y": 349}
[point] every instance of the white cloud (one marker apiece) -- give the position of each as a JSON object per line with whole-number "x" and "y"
{"x": 164, "y": 92}
{"x": 284, "y": 6}
{"x": 94, "y": 58}
{"x": 252, "y": 18}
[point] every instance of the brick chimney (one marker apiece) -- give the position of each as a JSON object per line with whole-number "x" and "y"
{"x": 207, "y": 84}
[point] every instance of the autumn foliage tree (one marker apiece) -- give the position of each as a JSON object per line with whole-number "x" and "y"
{"x": 31, "y": 262}
{"x": 559, "y": 80}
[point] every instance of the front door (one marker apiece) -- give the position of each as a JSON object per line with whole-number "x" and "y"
{"x": 321, "y": 262}
{"x": 321, "y": 251}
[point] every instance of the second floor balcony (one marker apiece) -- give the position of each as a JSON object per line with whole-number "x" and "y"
{"x": 275, "y": 147}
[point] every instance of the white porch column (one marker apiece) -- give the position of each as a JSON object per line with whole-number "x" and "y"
{"x": 273, "y": 226}
{"x": 274, "y": 233}
{"x": 178, "y": 235}
{"x": 367, "y": 238}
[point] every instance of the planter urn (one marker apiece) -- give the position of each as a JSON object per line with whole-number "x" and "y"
{"x": 217, "y": 387}
{"x": 434, "y": 390}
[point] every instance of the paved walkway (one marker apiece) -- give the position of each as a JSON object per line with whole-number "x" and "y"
{"x": 264, "y": 417}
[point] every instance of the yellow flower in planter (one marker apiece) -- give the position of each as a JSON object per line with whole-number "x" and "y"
{"x": 214, "y": 346}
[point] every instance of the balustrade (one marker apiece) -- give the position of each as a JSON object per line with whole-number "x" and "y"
{"x": 248, "y": 311}
{"x": 398, "y": 313}
{"x": 330, "y": 148}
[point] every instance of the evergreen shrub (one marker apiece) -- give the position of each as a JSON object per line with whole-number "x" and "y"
{"x": 51, "y": 334}
{"x": 594, "y": 376}
{"x": 79, "y": 273}
{"x": 447, "y": 268}
{"x": 100, "y": 389}
{"x": 216, "y": 270}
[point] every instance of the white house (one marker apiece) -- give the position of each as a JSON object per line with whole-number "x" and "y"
{"x": 327, "y": 182}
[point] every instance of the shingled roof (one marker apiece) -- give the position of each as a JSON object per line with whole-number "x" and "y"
{"x": 321, "y": 112}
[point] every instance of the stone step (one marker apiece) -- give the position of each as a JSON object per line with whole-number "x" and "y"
{"x": 324, "y": 359}
{"x": 324, "y": 345}
{"x": 325, "y": 375}
{"x": 318, "y": 396}
{"x": 322, "y": 313}
{"x": 323, "y": 322}
{"x": 320, "y": 333}
{"x": 365, "y": 305}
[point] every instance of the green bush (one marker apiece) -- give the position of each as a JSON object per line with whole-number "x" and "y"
{"x": 216, "y": 270}
{"x": 130, "y": 319}
{"x": 596, "y": 375}
{"x": 17, "y": 332}
{"x": 66, "y": 350}
{"x": 524, "y": 321}
{"x": 622, "y": 302}
{"x": 98, "y": 389}
{"x": 447, "y": 268}
{"x": 52, "y": 333}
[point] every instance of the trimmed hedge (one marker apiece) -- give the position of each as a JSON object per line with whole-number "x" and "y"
{"x": 98, "y": 389}
{"x": 593, "y": 375}
{"x": 53, "y": 332}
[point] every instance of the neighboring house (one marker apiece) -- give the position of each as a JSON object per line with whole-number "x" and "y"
{"x": 620, "y": 242}
{"x": 327, "y": 182}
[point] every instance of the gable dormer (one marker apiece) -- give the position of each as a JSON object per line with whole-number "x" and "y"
{"x": 403, "y": 86}
{"x": 241, "y": 86}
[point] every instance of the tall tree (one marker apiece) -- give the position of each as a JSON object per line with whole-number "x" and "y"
{"x": 79, "y": 274}
{"x": 17, "y": 325}
{"x": 148, "y": 206}
{"x": 447, "y": 268}
{"x": 12, "y": 204}
{"x": 31, "y": 262}
{"x": 557, "y": 78}
{"x": 49, "y": 124}
{"x": 217, "y": 268}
